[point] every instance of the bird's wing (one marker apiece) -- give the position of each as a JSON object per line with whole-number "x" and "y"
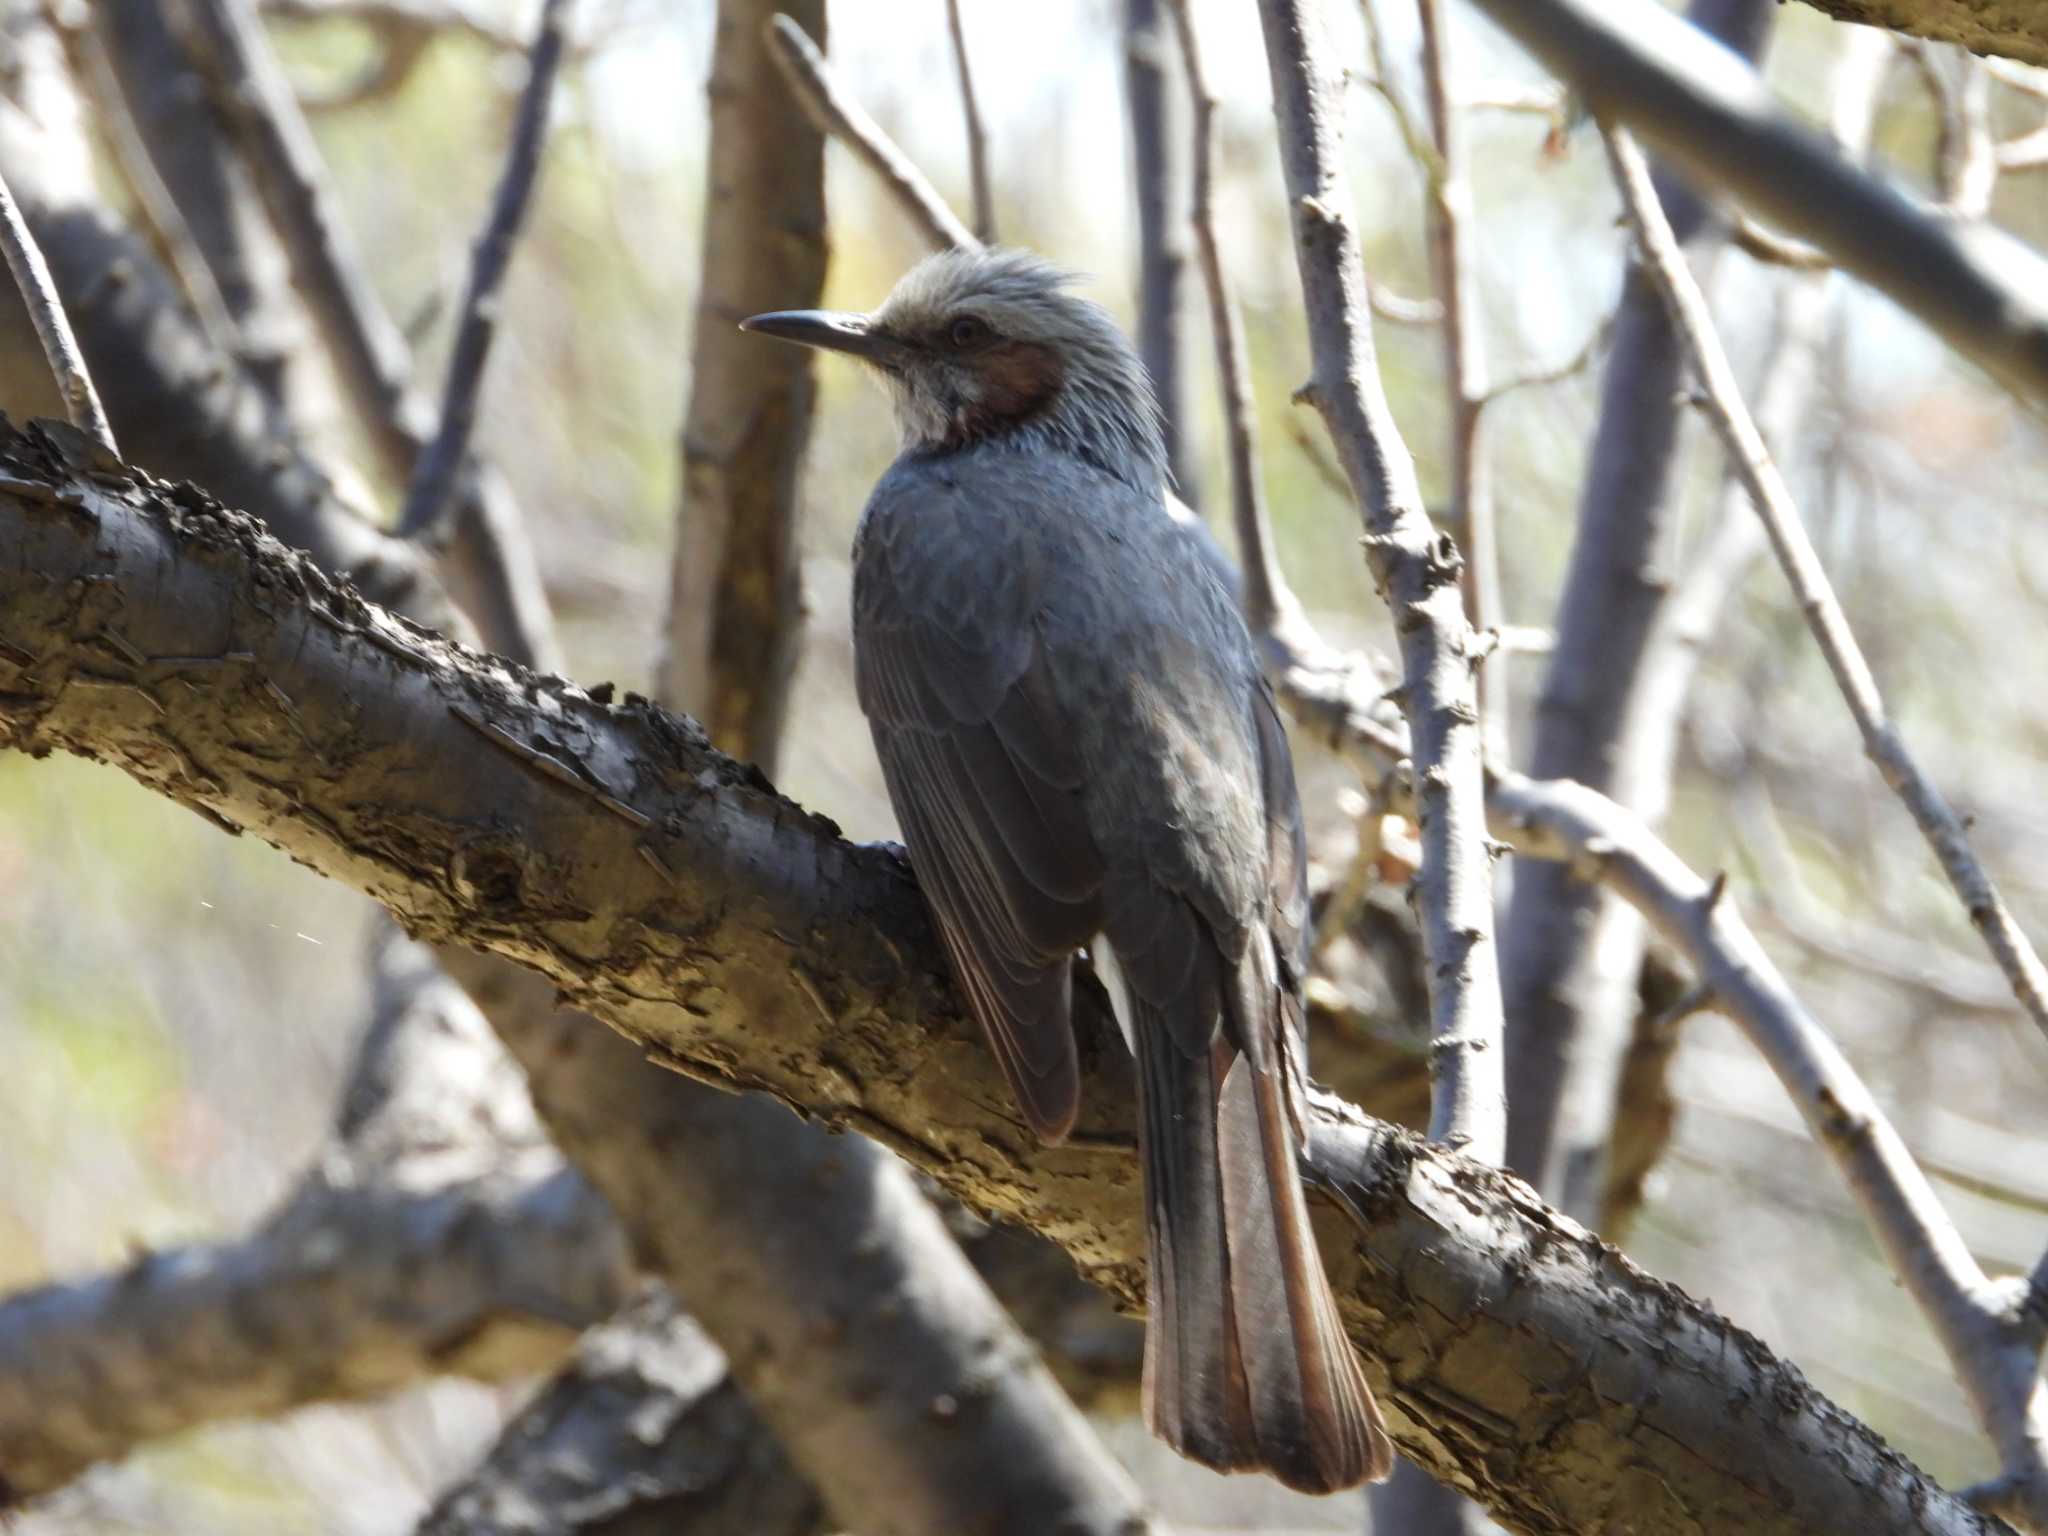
{"x": 981, "y": 769}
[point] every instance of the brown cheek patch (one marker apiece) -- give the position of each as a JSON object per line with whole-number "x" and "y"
{"x": 1017, "y": 378}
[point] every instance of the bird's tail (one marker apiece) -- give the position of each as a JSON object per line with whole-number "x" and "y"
{"x": 1246, "y": 1364}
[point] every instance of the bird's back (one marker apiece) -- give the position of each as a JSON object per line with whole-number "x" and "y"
{"x": 999, "y": 561}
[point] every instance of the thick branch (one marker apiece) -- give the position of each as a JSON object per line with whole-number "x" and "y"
{"x": 735, "y": 608}
{"x": 676, "y": 896}
{"x": 1709, "y": 114}
{"x": 1569, "y": 955}
{"x": 436, "y": 1234}
{"x": 1416, "y": 571}
{"x": 644, "y": 1434}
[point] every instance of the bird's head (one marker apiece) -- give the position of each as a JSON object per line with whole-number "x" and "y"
{"x": 989, "y": 346}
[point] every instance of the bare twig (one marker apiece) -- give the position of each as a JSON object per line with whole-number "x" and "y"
{"x": 1457, "y": 285}
{"x": 490, "y": 562}
{"x": 1399, "y": 309}
{"x": 53, "y": 329}
{"x": 1267, "y": 601}
{"x": 977, "y": 130}
{"x": 1382, "y": 83}
{"x": 94, "y": 72}
{"x": 1557, "y": 372}
{"x": 1711, "y": 116}
{"x": 2028, "y": 152}
{"x": 1416, "y": 570}
{"x": 1937, "y": 820}
{"x": 839, "y": 116}
{"x": 435, "y": 472}
{"x": 1966, "y": 158}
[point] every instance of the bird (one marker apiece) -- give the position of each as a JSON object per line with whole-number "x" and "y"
{"x": 1079, "y": 745}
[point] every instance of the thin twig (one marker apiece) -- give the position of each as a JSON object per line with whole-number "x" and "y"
{"x": 434, "y": 474}
{"x": 1421, "y": 147}
{"x": 1268, "y": 603}
{"x": 1450, "y": 250}
{"x": 977, "y": 130}
{"x": 1399, "y": 309}
{"x": 1966, "y": 159}
{"x": 1416, "y": 570}
{"x": 1767, "y": 489}
{"x": 53, "y": 329}
{"x": 837, "y": 115}
{"x": 2028, "y": 152}
{"x": 1557, "y": 372}
{"x": 85, "y": 49}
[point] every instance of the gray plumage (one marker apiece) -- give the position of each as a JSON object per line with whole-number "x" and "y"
{"x": 1078, "y": 742}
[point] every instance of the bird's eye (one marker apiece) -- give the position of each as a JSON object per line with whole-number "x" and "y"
{"x": 967, "y": 331}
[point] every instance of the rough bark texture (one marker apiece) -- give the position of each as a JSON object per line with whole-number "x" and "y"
{"x": 733, "y": 634}
{"x": 2016, "y": 28}
{"x": 851, "y": 1318}
{"x": 672, "y": 893}
{"x": 643, "y": 1435}
{"x": 1569, "y": 952}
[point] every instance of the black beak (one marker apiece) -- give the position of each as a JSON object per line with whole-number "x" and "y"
{"x": 830, "y": 329}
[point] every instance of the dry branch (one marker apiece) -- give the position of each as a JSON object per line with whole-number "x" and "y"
{"x": 1772, "y": 497}
{"x": 839, "y": 116}
{"x": 977, "y": 130}
{"x": 53, "y": 329}
{"x": 1416, "y": 571}
{"x": 434, "y": 471}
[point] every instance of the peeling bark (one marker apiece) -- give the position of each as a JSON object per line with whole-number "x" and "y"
{"x": 2016, "y": 28}
{"x": 671, "y": 892}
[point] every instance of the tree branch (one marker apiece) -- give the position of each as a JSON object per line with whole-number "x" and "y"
{"x": 438, "y": 1234}
{"x": 1457, "y": 287}
{"x": 1710, "y": 115}
{"x": 490, "y": 565}
{"x": 435, "y": 468}
{"x": 1158, "y": 112}
{"x": 53, "y": 329}
{"x": 644, "y": 1434}
{"x": 1937, "y": 820}
{"x": 1417, "y": 573}
{"x": 977, "y": 130}
{"x": 735, "y": 615}
{"x": 838, "y": 115}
